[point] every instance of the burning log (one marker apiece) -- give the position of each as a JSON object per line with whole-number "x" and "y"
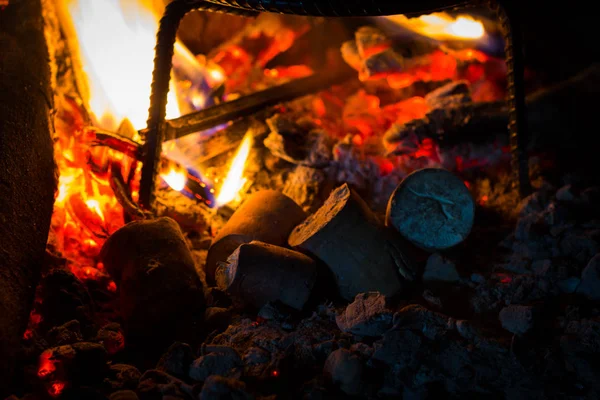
{"x": 362, "y": 255}
{"x": 257, "y": 273}
{"x": 26, "y": 188}
{"x": 161, "y": 295}
{"x": 267, "y": 216}
{"x": 432, "y": 208}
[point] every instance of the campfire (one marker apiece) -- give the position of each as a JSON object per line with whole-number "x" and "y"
{"x": 301, "y": 206}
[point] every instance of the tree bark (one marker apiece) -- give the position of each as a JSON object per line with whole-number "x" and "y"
{"x": 27, "y": 169}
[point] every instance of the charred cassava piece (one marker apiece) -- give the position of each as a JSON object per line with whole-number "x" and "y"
{"x": 268, "y": 216}
{"x": 362, "y": 255}
{"x": 432, "y": 208}
{"x": 257, "y": 273}
{"x": 27, "y": 170}
{"x": 161, "y": 295}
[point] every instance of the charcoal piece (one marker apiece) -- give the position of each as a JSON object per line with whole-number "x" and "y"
{"x": 215, "y": 297}
{"x": 367, "y": 315}
{"x": 221, "y": 388}
{"x": 381, "y": 65}
{"x": 398, "y": 346}
{"x": 266, "y": 215}
{"x": 217, "y": 318}
{"x": 306, "y": 186}
{"x": 28, "y": 178}
{"x": 257, "y": 273}
{"x": 161, "y": 295}
{"x": 177, "y": 359}
{"x": 350, "y": 54}
{"x": 290, "y": 142}
{"x": 82, "y": 363}
{"x": 370, "y": 40}
{"x": 432, "y": 208}
{"x": 590, "y": 279}
{"x": 439, "y": 268}
{"x": 434, "y": 99}
{"x": 362, "y": 255}
{"x": 433, "y": 325}
{"x": 156, "y": 384}
{"x": 569, "y": 285}
{"x": 67, "y": 333}
{"x": 345, "y": 370}
{"x": 122, "y": 377}
{"x": 224, "y": 361}
{"x": 65, "y": 299}
{"x": 123, "y": 395}
{"x": 518, "y": 319}
{"x": 111, "y": 336}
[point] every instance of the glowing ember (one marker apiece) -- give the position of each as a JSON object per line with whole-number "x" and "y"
{"x": 442, "y": 26}
{"x": 235, "y": 177}
{"x": 116, "y": 42}
{"x": 46, "y": 364}
{"x": 56, "y": 388}
{"x": 176, "y": 177}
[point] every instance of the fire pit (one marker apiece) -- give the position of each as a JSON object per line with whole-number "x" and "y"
{"x": 313, "y": 206}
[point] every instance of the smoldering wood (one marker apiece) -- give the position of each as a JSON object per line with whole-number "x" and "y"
{"x": 257, "y": 273}
{"x": 552, "y": 111}
{"x": 363, "y": 255}
{"x": 267, "y": 215}
{"x": 27, "y": 169}
{"x": 432, "y": 208}
{"x": 160, "y": 293}
{"x": 298, "y": 145}
{"x": 121, "y": 192}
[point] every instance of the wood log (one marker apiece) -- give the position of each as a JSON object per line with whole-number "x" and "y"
{"x": 257, "y": 273}
{"x": 27, "y": 169}
{"x": 363, "y": 255}
{"x": 432, "y": 208}
{"x": 160, "y": 293}
{"x": 268, "y": 216}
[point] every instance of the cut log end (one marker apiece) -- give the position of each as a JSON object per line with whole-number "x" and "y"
{"x": 361, "y": 254}
{"x": 257, "y": 273}
{"x": 332, "y": 206}
{"x": 267, "y": 215}
{"x": 432, "y": 208}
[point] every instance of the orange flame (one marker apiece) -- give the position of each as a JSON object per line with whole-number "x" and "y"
{"x": 116, "y": 44}
{"x": 442, "y": 26}
{"x": 176, "y": 177}
{"x": 235, "y": 177}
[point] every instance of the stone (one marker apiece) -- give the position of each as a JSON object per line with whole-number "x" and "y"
{"x": 345, "y": 370}
{"x": 439, "y": 268}
{"x": 367, "y": 315}
{"x": 590, "y": 279}
{"x": 517, "y": 319}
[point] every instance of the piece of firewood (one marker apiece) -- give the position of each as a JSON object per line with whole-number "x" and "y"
{"x": 27, "y": 170}
{"x": 432, "y": 208}
{"x": 256, "y": 273}
{"x": 361, "y": 253}
{"x": 267, "y": 215}
{"x": 160, "y": 292}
